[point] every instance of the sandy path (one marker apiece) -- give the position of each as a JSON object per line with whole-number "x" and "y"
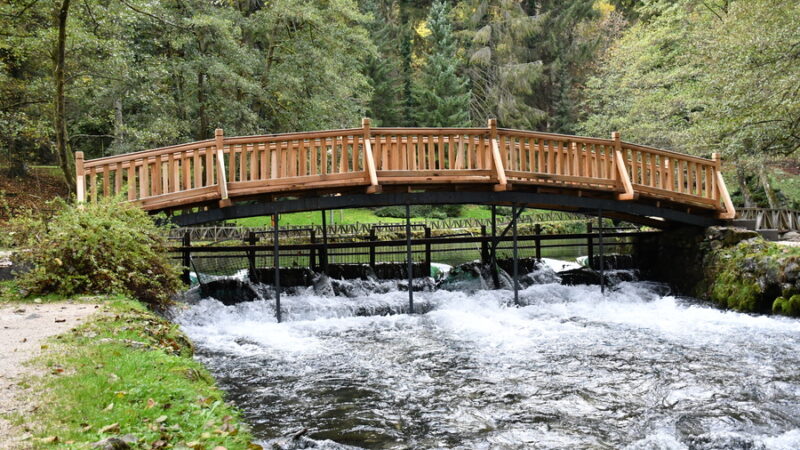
{"x": 22, "y": 329}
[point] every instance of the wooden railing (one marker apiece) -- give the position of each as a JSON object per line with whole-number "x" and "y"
{"x": 244, "y": 167}
{"x": 771, "y": 219}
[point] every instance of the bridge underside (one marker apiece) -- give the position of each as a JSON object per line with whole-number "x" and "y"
{"x": 645, "y": 211}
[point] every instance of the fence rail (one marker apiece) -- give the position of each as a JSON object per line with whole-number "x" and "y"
{"x": 782, "y": 220}
{"x": 231, "y": 232}
{"x": 226, "y": 168}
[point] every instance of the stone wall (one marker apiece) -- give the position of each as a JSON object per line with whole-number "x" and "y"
{"x": 732, "y": 267}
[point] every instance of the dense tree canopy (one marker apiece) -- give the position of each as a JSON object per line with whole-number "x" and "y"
{"x": 690, "y": 75}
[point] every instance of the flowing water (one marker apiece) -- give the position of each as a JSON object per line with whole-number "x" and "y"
{"x": 636, "y": 368}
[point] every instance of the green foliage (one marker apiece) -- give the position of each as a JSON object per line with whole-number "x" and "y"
{"x": 129, "y": 367}
{"x": 100, "y": 248}
{"x": 697, "y": 78}
{"x": 787, "y": 307}
{"x": 441, "y": 96}
{"x": 432, "y": 212}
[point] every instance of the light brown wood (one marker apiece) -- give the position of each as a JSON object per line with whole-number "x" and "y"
{"x": 80, "y": 181}
{"x": 402, "y": 156}
{"x": 222, "y": 182}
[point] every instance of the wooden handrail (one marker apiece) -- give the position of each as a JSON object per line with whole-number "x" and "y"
{"x": 373, "y": 159}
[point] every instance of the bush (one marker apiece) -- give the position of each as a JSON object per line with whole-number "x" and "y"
{"x": 102, "y": 248}
{"x": 432, "y": 212}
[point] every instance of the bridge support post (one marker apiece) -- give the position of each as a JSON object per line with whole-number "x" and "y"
{"x": 276, "y": 256}
{"x": 312, "y": 255}
{"x": 187, "y": 258}
{"x": 600, "y": 242}
{"x": 323, "y": 257}
{"x": 427, "y": 251}
{"x": 372, "y": 239}
{"x": 409, "y": 261}
{"x": 251, "y": 255}
{"x": 516, "y": 254}
{"x": 589, "y": 244}
{"x": 537, "y": 229}
{"x": 484, "y": 246}
{"x": 493, "y": 256}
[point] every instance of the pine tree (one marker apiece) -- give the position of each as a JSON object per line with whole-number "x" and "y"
{"x": 441, "y": 95}
{"x": 385, "y": 70}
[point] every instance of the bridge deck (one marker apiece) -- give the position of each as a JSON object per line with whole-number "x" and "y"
{"x": 216, "y": 172}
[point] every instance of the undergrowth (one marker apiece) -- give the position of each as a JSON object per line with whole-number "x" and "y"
{"x": 128, "y": 373}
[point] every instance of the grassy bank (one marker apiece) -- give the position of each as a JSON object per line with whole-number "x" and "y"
{"x": 128, "y": 373}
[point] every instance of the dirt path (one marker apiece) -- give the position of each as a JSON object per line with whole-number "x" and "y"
{"x": 23, "y": 327}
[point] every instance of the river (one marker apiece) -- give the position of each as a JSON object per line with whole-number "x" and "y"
{"x": 635, "y": 368}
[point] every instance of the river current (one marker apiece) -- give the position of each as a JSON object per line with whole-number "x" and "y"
{"x": 570, "y": 368}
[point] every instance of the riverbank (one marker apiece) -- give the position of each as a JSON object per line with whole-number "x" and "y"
{"x": 732, "y": 267}
{"x": 122, "y": 376}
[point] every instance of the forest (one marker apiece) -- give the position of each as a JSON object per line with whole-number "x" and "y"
{"x": 112, "y": 76}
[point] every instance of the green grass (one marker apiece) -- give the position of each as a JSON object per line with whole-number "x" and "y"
{"x": 131, "y": 368}
{"x": 346, "y": 217}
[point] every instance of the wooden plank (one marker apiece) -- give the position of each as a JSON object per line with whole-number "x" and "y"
{"x": 187, "y": 171}
{"x": 144, "y": 184}
{"x": 131, "y": 182}
{"x": 624, "y": 178}
{"x": 106, "y": 183}
{"x": 118, "y": 178}
{"x": 497, "y": 159}
{"x": 222, "y": 181}
{"x": 369, "y": 160}
{"x": 209, "y": 156}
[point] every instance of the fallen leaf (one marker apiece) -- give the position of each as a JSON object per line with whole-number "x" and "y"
{"x": 219, "y": 447}
{"x": 161, "y": 419}
{"x": 86, "y": 427}
{"x": 49, "y": 439}
{"x": 61, "y": 320}
{"x": 113, "y": 428}
{"x": 109, "y": 407}
{"x": 158, "y": 444}
{"x": 150, "y": 403}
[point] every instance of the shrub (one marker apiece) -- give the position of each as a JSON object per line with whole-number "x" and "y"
{"x": 433, "y": 212}
{"x": 101, "y": 248}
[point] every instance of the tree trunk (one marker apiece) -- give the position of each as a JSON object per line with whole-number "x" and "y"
{"x": 63, "y": 152}
{"x": 741, "y": 178}
{"x": 772, "y": 199}
{"x": 119, "y": 128}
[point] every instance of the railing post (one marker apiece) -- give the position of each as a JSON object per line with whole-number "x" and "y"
{"x": 622, "y": 169}
{"x": 369, "y": 159}
{"x": 730, "y": 211}
{"x": 80, "y": 182}
{"x": 497, "y": 159}
{"x": 222, "y": 180}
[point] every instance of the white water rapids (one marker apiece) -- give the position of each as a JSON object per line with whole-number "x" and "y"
{"x": 634, "y": 369}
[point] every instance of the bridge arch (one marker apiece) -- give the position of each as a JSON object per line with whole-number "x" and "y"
{"x": 233, "y": 177}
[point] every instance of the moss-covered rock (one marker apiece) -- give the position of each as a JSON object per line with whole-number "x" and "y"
{"x": 733, "y": 267}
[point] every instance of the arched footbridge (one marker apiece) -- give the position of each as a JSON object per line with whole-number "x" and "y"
{"x": 233, "y": 177}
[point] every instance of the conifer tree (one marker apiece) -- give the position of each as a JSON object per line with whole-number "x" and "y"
{"x": 441, "y": 95}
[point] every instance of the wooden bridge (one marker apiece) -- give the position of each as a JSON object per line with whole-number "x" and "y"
{"x": 231, "y": 177}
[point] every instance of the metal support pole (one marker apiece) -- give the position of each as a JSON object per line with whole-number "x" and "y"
{"x": 324, "y": 256}
{"x": 590, "y": 245}
{"x": 600, "y": 242}
{"x": 312, "y": 255}
{"x": 516, "y": 254}
{"x": 187, "y": 259}
{"x": 427, "y": 251}
{"x": 372, "y": 238}
{"x": 251, "y": 255}
{"x": 410, "y": 262}
{"x": 277, "y": 263}
{"x": 493, "y": 265}
{"x": 537, "y": 229}
{"x": 484, "y": 246}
